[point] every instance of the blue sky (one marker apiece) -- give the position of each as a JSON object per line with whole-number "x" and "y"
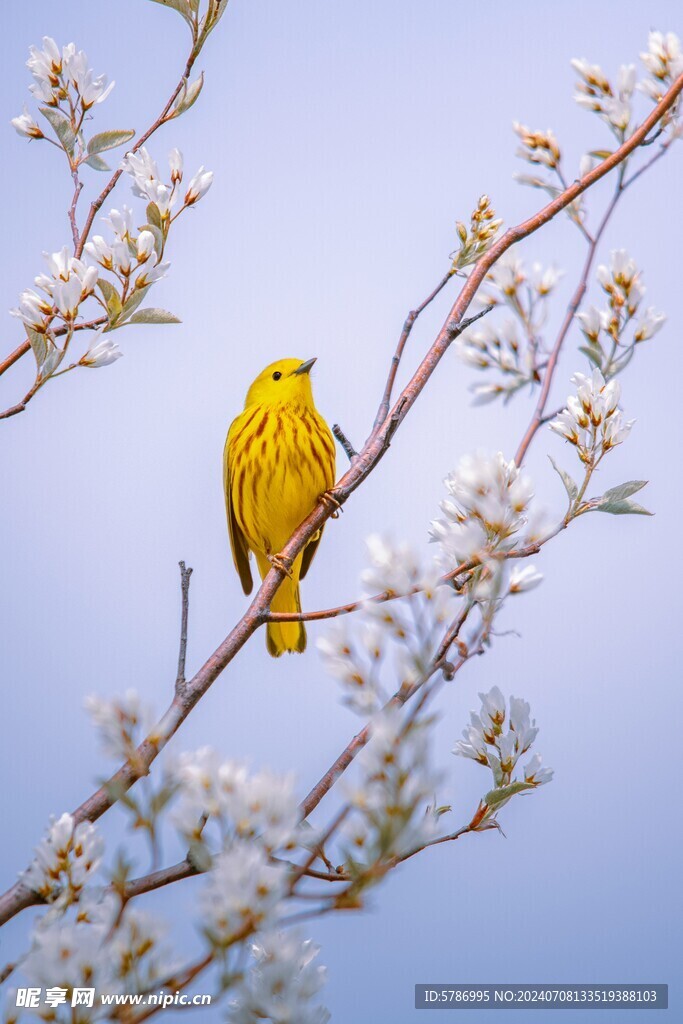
{"x": 346, "y": 139}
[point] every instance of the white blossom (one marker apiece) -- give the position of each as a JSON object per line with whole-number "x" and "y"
{"x": 535, "y": 774}
{"x": 199, "y": 186}
{"x": 175, "y": 162}
{"x": 592, "y": 420}
{"x": 65, "y": 860}
{"x": 119, "y": 722}
{"x": 25, "y": 125}
{"x": 243, "y": 891}
{"x": 649, "y": 324}
{"x": 486, "y": 741}
{"x": 524, "y": 579}
{"x": 282, "y": 983}
{"x": 101, "y": 351}
{"x": 396, "y": 782}
{"x": 487, "y": 507}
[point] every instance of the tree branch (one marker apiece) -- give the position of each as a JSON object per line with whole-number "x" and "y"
{"x": 185, "y": 575}
{"x": 373, "y": 451}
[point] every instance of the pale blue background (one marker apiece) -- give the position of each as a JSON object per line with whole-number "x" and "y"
{"x": 346, "y": 139}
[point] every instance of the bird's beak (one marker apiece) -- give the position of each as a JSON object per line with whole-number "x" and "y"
{"x": 305, "y": 367}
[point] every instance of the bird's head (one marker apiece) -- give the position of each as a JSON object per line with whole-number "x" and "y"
{"x": 287, "y": 380}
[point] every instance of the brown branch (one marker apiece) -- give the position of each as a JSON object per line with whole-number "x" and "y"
{"x": 13, "y": 357}
{"x": 373, "y": 451}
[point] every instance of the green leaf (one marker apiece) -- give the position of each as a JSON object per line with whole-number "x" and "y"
{"x": 111, "y": 297}
{"x": 153, "y": 316}
{"x": 570, "y": 487}
{"x": 109, "y": 140}
{"x": 592, "y": 354}
{"x": 97, "y": 163}
{"x": 208, "y": 23}
{"x": 62, "y": 128}
{"x": 625, "y": 507}
{"x": 624, "y": 490}
{"x": 181, "y": 6}
{"x": 132, "y": 302}
{"x": 600, "y": 154}
{"x": 498, "y": 797}
{"x": 187, "y": 97}
{"x": 153, "y": 215}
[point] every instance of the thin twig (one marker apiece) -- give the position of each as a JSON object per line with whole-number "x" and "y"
{"x": 396, "y": 359}
{"x": 344, "y": 442}
{"x": 18, "y": 896}
{"x": 185, "y": 595}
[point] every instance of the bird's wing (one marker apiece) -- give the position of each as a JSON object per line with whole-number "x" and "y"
{"x": 309, "y": 554}
{"x": 238, "y": 543}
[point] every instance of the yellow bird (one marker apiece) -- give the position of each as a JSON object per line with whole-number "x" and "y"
{"x": 279, "y": 459}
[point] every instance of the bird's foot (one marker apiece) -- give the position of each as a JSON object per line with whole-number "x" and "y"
{"x": 329, "y": 500}
{"x": 282, "y": 563}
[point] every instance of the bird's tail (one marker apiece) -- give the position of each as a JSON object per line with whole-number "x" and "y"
{"x": 285, "y": 636}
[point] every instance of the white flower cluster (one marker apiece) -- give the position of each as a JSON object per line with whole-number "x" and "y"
{"x": 130, "y": 255}
{"x": 594, "y": 92}
{"x": 486, "y": 509}
{"x": 61, "y": 77}
{"x": 282, "y": 983}
{"x": 260, "y": 806}
{"x": 97, "y": 947}
{"x": 66, "y": 860}
{"x": 121, "y": 722}
{"x": 523, "y": 293}
{"x": 148, "y": 185}
{"x": 605, "y": 330}
{"x": 391, "y": 799}
{"x": 538, "y": 147}
{"x": 592, "y": 420}
{"x": 486, "y": 741}
{"x": 483, "y": 229}
{"x": 663, "y": 60}
{"x": 243, "y": 893}
{"x": 67, "y": 86}
{"x": 396, "y": 637}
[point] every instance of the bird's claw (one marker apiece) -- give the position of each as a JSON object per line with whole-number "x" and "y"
{"x": 328, "y": 499}
{"x": 282, "y": 564}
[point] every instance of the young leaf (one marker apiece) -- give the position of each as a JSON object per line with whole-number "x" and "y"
{"x": 108, "y": 140}
{"x": 500, "y": 796}
{"x": 625, "y": 507}
{"x": 181, "y": 6}
{"x": 569, "y": 485}
{"x": 592, "y": 355}
{"x": 62, "y": 128}
{"x": 38, "y": 345}
{"x": 153, "y": 316}
{"x": 111, "y": 297}
{"x": 624, "y": 490}
{"x": 153, "y": 215}
{"x": 187, "y": 97}
{"x": 132, "y": 302}
{"x": 97, "y": 163}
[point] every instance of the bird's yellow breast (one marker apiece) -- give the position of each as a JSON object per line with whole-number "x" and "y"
{"x": 282, "y": 459}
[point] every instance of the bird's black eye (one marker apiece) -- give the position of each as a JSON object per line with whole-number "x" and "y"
{"x": 277, "y": 375}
